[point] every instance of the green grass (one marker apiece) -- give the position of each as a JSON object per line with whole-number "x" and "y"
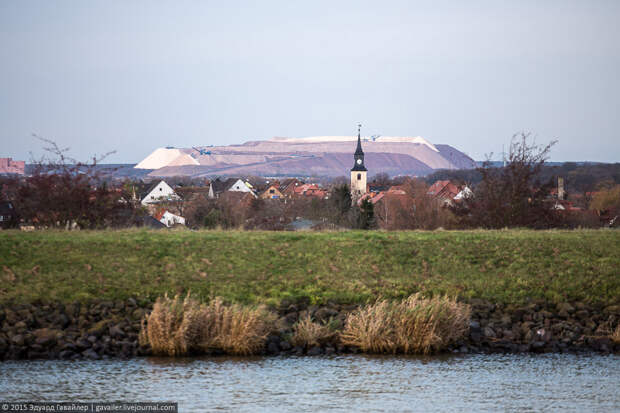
{"x": 508, "y": 266}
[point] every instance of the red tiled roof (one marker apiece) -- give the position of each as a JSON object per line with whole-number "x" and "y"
{"x": 398, "y": 189}
{"x": 158, "y": 215}
{"x": 315, "y": 192}
{"x": 443, "y": 189}
{"x": 377, "y": 197}
{"x": 305, "y": 187}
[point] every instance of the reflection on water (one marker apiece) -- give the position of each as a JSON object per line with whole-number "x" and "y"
{"x": 343, "y": 383}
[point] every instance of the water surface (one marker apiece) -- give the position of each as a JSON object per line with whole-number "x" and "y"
{"x": 559, "y": 382}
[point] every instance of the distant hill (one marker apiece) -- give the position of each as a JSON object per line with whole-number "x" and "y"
{"x": 327, "y": 156}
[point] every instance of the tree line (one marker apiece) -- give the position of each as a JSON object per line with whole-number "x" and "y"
{"x": 62, "y": 193}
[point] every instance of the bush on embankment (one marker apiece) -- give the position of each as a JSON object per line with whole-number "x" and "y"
{"x": 178, "y": 327}
{"x": 412, "y": 326}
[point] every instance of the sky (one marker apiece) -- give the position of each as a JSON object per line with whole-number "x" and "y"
{"x": 132, "y": 76}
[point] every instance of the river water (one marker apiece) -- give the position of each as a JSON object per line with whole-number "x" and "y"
{"x": 558, "y": 382}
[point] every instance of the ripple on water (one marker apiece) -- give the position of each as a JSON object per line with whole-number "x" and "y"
{"x": 342, "y": 383}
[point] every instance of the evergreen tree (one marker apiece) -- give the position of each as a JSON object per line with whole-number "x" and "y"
{"x": 366, "y": 218}
{"x": 341, "y": 201}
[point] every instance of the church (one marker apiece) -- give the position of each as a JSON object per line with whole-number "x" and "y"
{"x": 359, "y": 171}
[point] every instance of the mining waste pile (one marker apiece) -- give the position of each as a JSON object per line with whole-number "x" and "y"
{"x": 327, "y": 156}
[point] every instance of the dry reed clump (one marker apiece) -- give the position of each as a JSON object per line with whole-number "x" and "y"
{"x": 179, "y": 327}
{"x": 235, "y": 329}
{"x": 412, "y": 326}
{"x": 615, "y": 336}
{"x": 309, "y": 333}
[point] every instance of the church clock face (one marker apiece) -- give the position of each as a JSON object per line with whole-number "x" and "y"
{"x": 359, "y": 161}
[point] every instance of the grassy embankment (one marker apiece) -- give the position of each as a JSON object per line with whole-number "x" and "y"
{"x": 265, "y": 267}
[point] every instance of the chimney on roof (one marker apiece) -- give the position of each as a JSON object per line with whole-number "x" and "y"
{"x": 560, "y": 188}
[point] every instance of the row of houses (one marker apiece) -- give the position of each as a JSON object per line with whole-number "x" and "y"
{"x": 444, "y": 192}
{"x": 293, "y": 188}
{"x": 290, "y": 188}
{"x": 160, "y": 195}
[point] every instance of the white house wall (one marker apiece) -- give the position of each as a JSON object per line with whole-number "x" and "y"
{"x": 169, "y": 219}
{"x": 162, "y": 191}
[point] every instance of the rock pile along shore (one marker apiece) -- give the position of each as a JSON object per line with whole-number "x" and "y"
{"x": 111, "y": 329}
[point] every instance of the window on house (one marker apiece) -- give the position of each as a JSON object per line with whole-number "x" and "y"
{"x": 160, "y": 189}
{"x": 272, "y": 191}
{"x": 359, "y": 176}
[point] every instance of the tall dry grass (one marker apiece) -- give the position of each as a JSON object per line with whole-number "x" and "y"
{"x": 179, "y": 327}
{"x": 309, "y": 333}
{"x": 615, "y": 336}
{"x": 413, "y": 326}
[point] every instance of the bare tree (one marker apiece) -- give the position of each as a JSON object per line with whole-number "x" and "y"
{"x": 513, "y": 195}
{"x": 63, "y": 192}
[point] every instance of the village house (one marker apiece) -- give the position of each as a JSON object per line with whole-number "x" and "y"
{"x": 159, "y": 192}
{"x": 293, "y": 188}
{"x": 242, "y": 186}
{"x": 191, "y": 193}
{"x": 311, "y": 190}
{"x": 218, "y": 187}
{"x": 443, "y": 191}
{"x": 288, "y": 187}
{"x": 464, "y": 194}
{"x": 168, "y": 218}
{"x": 272, "y": 193}
{"x": 316, "y": 193}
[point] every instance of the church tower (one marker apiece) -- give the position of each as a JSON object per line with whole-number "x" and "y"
{"x": 359, "y": 171}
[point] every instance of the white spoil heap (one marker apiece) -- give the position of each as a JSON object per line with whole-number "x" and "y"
{"x": 165, "y": 157}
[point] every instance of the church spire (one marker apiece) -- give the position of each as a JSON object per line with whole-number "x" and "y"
{"x": 358, "y": 156}
{"x": 359, "y": 150}
{"x": 359, "y": 171}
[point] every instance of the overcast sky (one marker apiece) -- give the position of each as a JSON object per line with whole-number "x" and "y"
{"x": 132, "y": 76}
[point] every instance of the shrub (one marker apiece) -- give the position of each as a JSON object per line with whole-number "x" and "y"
{"x": 178, "y": 327}
{"x": 309, "y": 333}
{"x": 413, "y": 326}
